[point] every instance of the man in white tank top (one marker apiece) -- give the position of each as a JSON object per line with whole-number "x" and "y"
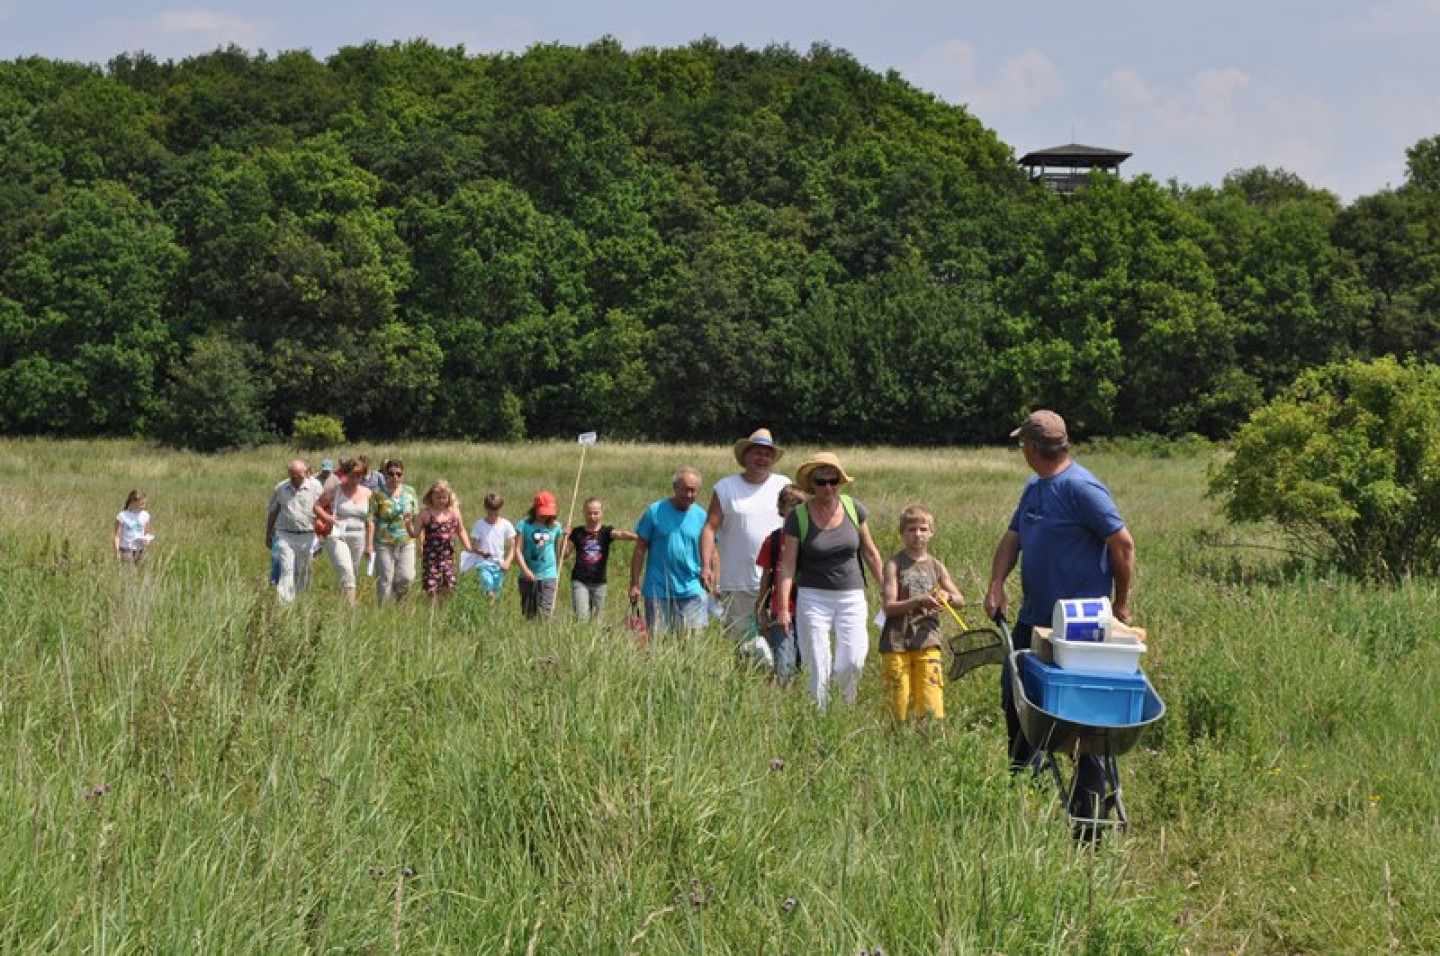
{"x": 743, "y": 511}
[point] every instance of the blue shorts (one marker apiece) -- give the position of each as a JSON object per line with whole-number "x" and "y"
{"x": 491, "y": 577}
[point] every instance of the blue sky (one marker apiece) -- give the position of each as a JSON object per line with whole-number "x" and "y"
{"x": 1332, "y": 91}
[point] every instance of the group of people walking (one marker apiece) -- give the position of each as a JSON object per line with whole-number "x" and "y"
{"x": 783, "y": 561}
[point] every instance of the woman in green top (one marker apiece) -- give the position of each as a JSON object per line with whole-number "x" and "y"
{"x": 391, "y": 534}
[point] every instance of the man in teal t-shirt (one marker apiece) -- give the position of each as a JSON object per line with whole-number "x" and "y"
{"x": 669, "y": 553}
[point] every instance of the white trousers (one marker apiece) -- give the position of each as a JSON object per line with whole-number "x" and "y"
{"x": 346, "y": 552}
{"x": 294, "y": 550}
{"x": 818, "y": 613}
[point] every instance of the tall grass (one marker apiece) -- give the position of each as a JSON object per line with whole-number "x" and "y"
{"x": 188, "y": 767}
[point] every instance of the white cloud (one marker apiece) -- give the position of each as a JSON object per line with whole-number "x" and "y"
{"x": 185, "y": 32}
{"x": 951, "y": 70}
{"x": 1211, "y": 104}
{"x": 945, "y": 69}
{"x": 1220, "y": 120}
{"x": 1025, "y": 81}
{"x": 1128, "y": 89}
{"x": 1389, "y": 21}
{"x": 1207, "y": 107}
{"x": 196, "y": 20}
{"x": 501, "y": 33}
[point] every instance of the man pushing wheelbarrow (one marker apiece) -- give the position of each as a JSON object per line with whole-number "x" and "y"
{"x": 1069, "y": 539}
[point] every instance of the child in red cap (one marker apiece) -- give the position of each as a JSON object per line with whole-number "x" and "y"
{"x": 537, "y": 540}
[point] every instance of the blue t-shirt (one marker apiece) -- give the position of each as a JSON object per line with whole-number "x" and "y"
{"x": 1063, "y": 522}
{"x": 538, "y": 544}
{"x": 672, "y": 565}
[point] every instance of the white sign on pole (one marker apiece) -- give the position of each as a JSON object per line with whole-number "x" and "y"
{"x": 588, "y": 438}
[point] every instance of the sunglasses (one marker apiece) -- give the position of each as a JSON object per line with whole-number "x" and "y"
{"x": 394, "y": 473}
{"x": 825, "y": 482}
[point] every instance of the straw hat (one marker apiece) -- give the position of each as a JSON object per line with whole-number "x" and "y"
{"x": 819, "y": 460}
{"x": 761, "y": 437}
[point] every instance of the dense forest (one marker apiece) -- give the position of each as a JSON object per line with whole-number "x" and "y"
{"x": 667, "y": 244}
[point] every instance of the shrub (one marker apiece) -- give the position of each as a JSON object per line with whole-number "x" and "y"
{"x": 1347, "y": 462}
{"x": 216, "y": 400}
{"x": 510, "y": 418}
{"x": 313, "y": 432}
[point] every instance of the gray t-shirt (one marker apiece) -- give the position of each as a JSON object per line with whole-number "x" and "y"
{"x": 829, "y": 560}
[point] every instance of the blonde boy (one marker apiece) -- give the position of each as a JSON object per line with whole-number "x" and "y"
{"x": 910, "y": 666}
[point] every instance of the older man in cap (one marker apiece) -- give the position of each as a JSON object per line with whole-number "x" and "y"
{"x": 743, "y": 511}
{"x": 1075, "y": 544}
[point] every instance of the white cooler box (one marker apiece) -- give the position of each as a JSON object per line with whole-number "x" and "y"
{"x": 1119, "y": 653}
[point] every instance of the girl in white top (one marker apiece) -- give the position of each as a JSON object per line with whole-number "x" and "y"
{"x": 132, "y": 529}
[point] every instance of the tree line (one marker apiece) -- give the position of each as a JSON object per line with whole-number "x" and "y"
{"x": 659, "y": 243}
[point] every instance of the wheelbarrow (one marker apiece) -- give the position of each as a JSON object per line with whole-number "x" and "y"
{"x": 1052, "y": 734}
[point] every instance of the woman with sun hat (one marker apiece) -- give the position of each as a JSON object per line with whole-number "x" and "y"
{"x": 827, "y": 548}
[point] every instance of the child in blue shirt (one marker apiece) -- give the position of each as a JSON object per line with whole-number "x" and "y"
{"x": 537, "y": 542}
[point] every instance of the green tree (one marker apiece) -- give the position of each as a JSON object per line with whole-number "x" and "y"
{"x": 896, "y": 358}
{"x": 501, "y": 286}
{"x": 1422, "y": 165}
{"x": 1347, "y": 462}
{"x": 1394, "y": 238}
{"x": 291, "y": 253}
{"x": 84, "y": 301}
{"x": 714, "y": 336}
{"x": 216, "y": 398}
{"x": 1294, "y": 297}
{"x": 1118, "y": 320}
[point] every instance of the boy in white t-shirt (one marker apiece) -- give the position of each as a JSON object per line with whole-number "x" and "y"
{"x": 493, "y": 540}
{"x": 132, "y": 529}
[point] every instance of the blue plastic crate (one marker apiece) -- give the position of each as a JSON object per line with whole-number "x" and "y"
{"x": 1084, "y": 697}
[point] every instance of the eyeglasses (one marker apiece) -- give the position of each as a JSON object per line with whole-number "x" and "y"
{"x": 825, "y": 482}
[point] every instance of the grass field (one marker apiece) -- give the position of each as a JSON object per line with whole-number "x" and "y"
{"x": 185, "y": 767}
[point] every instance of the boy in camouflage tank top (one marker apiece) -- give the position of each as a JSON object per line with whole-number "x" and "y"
{"x": 910, "y": 667}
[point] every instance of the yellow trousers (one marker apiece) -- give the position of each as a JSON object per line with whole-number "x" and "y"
{"x": 914, "y": 677}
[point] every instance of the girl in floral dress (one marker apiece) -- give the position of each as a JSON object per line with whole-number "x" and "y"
{"x": 440, "y": 523}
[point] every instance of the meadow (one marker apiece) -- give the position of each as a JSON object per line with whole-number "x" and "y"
{"x": 186, "y": 767}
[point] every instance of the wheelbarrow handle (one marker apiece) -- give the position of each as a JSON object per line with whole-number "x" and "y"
{"x": 1004, "y": 625}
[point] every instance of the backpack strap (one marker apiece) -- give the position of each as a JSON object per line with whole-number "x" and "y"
{"x": 849, "y": 504}
{"x": 802, "y": 516}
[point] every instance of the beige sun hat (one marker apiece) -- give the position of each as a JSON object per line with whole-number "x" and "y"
{"x": 761, "y": 437}
{"x": 822, "y": 459}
